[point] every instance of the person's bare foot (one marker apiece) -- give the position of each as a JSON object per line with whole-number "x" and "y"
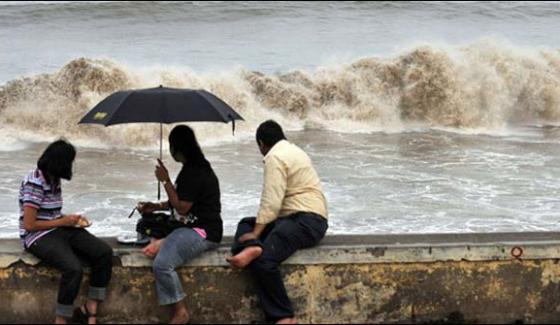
{"x": 60, "y": 320}
{"x": 92, "y": 309}
{"x": 287, "y": 321}
{"x": 245, "y": 258}
{"x": 152, "y": 249}
{"x": 180, "y": 319}
{"x": 180, "y": 315}
{"x": 91, "y": 319}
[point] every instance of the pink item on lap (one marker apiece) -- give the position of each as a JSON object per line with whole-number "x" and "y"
{"x": 201, "y": 232}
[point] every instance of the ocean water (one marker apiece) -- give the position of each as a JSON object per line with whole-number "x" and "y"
{"x": 419, "y": 117}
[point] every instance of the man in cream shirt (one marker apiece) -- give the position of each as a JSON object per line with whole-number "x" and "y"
{"x": 292, "y": 215}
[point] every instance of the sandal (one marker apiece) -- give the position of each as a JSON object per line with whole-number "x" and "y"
{"x": 82, "y": 317}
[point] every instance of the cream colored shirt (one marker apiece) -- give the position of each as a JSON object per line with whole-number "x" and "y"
{"x": 291, "y": 184}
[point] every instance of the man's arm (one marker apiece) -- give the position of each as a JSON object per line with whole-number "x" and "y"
{"x": 274, "y": 190}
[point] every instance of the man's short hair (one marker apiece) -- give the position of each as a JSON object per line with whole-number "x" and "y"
{"x": 270, "y": 133}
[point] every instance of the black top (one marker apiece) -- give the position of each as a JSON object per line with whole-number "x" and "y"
{"x": 199, "y": 185}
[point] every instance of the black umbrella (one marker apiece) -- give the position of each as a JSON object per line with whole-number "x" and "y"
{"x": 161, "y": 105}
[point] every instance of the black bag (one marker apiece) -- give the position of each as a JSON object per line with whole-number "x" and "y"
{"x": 157, "y": 225}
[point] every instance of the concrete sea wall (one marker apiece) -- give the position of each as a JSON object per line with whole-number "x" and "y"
{"x": 479, "y": 278}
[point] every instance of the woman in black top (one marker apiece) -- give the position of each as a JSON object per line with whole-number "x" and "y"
{"x": 194, "y": 200}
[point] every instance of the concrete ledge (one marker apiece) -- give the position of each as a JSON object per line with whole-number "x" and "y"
{"x": 360, "y": 249}
{"x": 484, "y": 278}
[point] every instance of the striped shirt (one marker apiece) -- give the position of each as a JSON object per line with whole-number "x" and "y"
{"x": 35, "y": 192}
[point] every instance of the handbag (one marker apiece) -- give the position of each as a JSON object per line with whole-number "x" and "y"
{"x": 157, "y": 225}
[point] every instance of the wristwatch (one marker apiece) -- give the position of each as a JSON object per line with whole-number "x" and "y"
{"x": 165, "y": 182}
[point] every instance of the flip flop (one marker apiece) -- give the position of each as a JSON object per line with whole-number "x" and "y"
{"x": 82, "y": 317}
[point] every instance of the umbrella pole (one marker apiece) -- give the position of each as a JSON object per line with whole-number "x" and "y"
{"x": 160, "y": 157}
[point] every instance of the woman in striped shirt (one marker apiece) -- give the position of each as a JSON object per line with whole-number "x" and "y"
{"x": 57, "y": 239}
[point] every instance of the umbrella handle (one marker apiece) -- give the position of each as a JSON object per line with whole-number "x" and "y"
{"x": 160, "y": 157}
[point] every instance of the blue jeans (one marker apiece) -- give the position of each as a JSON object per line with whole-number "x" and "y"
{"x": 181, "y": 246}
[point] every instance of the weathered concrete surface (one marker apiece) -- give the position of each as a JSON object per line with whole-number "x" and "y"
{"x": 347, "y": 279}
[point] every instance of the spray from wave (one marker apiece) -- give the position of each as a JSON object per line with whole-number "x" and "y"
{"x": 486, "y": 85}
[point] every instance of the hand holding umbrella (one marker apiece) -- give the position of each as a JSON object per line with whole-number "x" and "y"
{"x": 162, "y": 174}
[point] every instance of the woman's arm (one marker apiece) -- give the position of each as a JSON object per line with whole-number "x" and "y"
{"x": 182, "y": 207}
{"x": 31, "y": 224}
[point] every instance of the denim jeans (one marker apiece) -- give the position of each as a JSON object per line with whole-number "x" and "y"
{"x": 63, "y": 249}
{"x": 280, "y": 240}
{"x": 181, "y": 246}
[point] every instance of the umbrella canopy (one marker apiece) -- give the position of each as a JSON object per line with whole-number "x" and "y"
{"x": 161, "y": 105}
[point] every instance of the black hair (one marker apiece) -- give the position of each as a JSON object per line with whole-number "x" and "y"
{"x": 56, "y": 161}
{"x": 270, "y": 133}
{"x": 182, "y": 139}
